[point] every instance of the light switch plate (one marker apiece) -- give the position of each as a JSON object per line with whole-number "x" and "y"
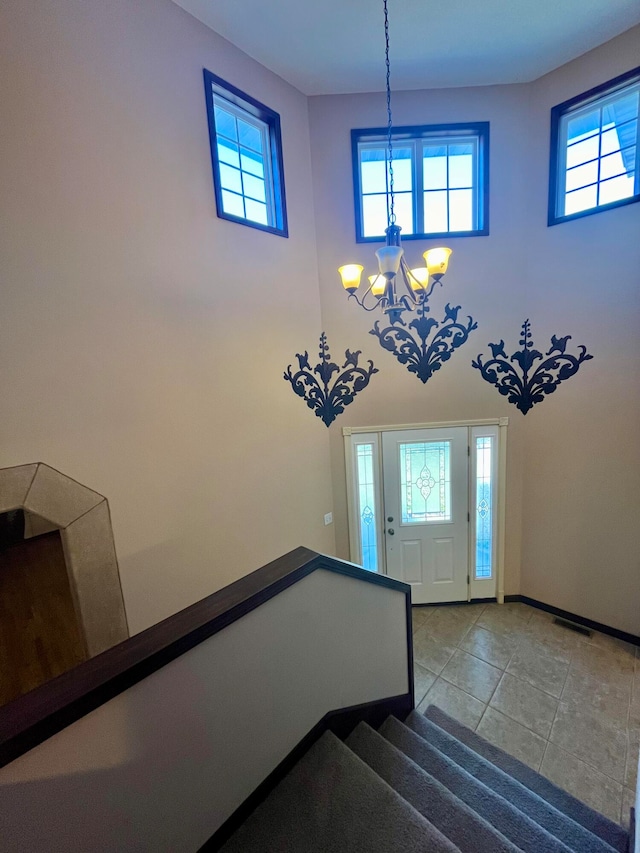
{"x": 328, "y": 519}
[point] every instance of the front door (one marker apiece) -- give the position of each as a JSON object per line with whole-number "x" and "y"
{"x": 426, "y": 489}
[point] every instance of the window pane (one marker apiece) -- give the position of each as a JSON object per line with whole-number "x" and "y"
{"x": 252, "y": 162}
{"x": 435, "y": 212}
{"x": 256, "y": 212}
{"x": 610, "y": 141}
{"x": 404, "y": 212}
{"x": 484, "y": 508}
{"x": 615, "y": 164}
{"x": 254, "y": 187}
{"x": 622, "y": 109}
{"x": 616, "y": 189}
{"x": 249, "y": 136}
{"x": 425, "y": 482}
{"x": 402, "y": 177}
{"x": 627, "y": 133}
{"x": 228, "y": 153}
{"x": 374, "y": 215}
{"x": 582, "y": 151}
{"x": 461, "y": 210}
{"x": 581, "y": 200}
{"x": 583, "y": 126}
{"x": 372, "y": 170}
{"x": 434, "y": 166}
{"x": 225, "y": 123}
{"x": 367, "y": 506}
{"x": 460, "y": 169}
{"x": 232, "y": 203}
{"x": 372, "y": 176}
{"x": 581, "y": 176}
{"x": 230, "y": 178}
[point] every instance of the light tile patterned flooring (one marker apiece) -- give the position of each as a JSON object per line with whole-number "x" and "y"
{"x": 567, "y": 705}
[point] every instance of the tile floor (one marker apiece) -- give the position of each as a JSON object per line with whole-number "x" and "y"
{"x": 567, "y": 705}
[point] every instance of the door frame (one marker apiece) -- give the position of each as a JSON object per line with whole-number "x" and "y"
{"x": 349, "y": 433}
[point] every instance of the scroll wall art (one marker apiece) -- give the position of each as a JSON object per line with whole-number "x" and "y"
{"x": 328, "y": 399}
{"x": 527, "y": 376}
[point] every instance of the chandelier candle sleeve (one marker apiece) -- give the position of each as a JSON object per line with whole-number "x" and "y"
{"x": 437, "y": 261}
{"x": 419, "y": 278}
{"x": 351, "y": 274}
{"x": 378, "y": 284}
{"x": 389, "y": 259}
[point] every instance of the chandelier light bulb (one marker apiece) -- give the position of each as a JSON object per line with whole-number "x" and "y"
{"x": 351, "y": 274}
{"x": 419, "y": 278}
{"x": 437, "y": 261}
{"x": 378, "y": 284}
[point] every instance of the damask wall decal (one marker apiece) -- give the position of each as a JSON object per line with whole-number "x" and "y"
{"x": 529, "y": 387}
{"x": 421, "y": 355}
{"x": 329, "y": 401}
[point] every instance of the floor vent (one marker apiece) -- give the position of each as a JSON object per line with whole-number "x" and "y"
{"x": 572, "y": 627}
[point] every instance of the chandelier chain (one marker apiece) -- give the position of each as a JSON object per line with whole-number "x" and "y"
{"x": 390, "y": 195}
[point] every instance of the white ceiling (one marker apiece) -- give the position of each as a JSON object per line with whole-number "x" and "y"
{"x": 337, "y": 46}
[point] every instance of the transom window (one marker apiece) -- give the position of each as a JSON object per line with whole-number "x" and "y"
{"x": 595, "y": 150}
{"x": 440, "y": 181}
{"x": 246, "y": 151}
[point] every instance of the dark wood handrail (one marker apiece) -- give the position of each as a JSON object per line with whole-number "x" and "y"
{"x": 39, "y": 714}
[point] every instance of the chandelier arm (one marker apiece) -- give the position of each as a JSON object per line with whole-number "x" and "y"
{"x": 361, "y": 302}
{"x": 408, "y": 275}
{"x": 408, "y": 303}
{"x": 424, "y": 292}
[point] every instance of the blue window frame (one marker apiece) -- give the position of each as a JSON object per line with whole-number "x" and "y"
{"x": 595, "y": 150}
{"x": 441, "y": 181}
{"x": 246, "y": 154}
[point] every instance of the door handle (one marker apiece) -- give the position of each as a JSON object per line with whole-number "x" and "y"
{"x": 390, "y": 531}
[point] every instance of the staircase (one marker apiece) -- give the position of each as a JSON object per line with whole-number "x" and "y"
{"x": 428, "y": 784}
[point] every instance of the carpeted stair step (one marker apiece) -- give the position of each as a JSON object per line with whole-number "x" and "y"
{"x": 519, "y": 828}
{"x": 578, "y": 811}
{"x": 460, "y": 824}
{"x": 332, "y": 802}
{"x": 573, "y": 834}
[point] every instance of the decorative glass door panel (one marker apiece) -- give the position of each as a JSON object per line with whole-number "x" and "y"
{"x": 367, "y": 506}
{"x": 425, "y": 481}
{"x": 426, "y": 496}
{"x": 484, "y": 515}
{"x": 484, "y": 507}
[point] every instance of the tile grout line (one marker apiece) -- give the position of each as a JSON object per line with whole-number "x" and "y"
{"x": 545, "y": 651}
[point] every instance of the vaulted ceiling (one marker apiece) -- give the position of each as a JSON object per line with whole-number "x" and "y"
{"x": 337, "y": 46}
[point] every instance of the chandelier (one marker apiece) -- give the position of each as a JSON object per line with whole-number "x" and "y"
{"x": 396, "y": 289}
{"x": 385, "y": 291}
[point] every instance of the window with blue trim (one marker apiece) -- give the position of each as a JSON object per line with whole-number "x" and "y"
{"x": 246, "y": 153}
{"x": 595, "y": 150}
{"x": 440, "y": 181}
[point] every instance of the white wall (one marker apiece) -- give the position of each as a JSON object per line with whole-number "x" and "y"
{"x": 581, "y": 509}
{"x": 166, "y": 762}
{"x": 574, "y": 460}
{"x": 143, "y": 339}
